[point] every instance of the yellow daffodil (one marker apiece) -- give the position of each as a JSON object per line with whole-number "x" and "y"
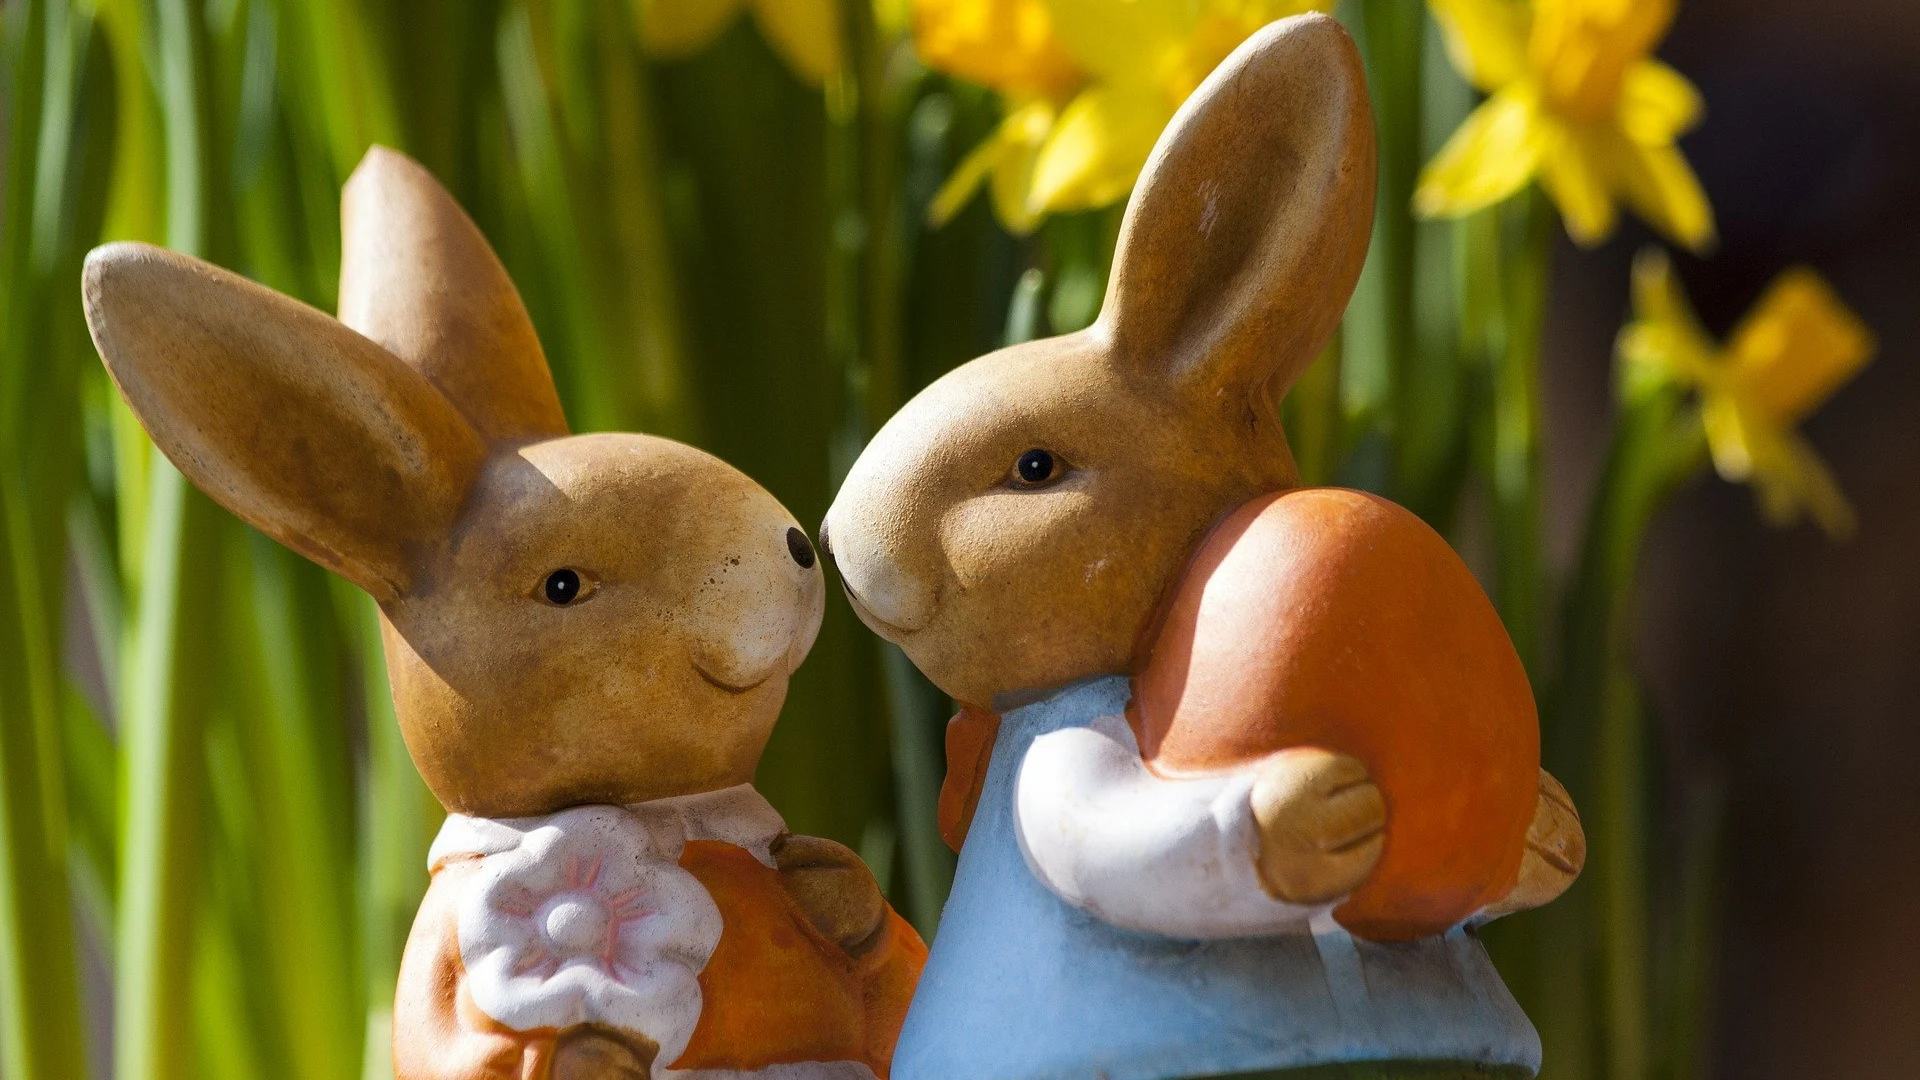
{"x": 1088, "y": 85}
{"x": 806, "y": 33}
{"x": 1007, "y": 45}
{"x": 1006, "y": 160}
{"x": 1793, "y": 350}
{"x": 1576, "y": 101}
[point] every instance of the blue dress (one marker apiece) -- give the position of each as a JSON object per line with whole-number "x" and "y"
{"x": 1020, "y": 985}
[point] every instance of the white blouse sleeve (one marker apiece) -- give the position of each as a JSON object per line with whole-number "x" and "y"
{"x": 1165, "y": 856}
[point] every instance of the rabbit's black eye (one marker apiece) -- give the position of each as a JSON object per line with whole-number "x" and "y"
{"x": 563, "y": 587}
{"x": 566, "y": 587}
{"x": 1034, "y": 468}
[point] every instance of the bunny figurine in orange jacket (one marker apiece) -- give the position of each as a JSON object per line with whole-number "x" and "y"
{"x": 589, "y": 639}
{"x": 1240, "y": 764}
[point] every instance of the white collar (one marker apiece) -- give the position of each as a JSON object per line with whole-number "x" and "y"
{"x": 737, "y": 815}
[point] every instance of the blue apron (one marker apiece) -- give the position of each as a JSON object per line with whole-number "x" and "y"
{"x": 1019, "y": 985}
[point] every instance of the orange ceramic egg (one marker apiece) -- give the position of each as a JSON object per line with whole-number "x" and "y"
{"x": 1332, "y": 618}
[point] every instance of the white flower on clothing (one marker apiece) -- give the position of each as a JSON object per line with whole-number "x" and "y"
{"x": 588, "y": 918}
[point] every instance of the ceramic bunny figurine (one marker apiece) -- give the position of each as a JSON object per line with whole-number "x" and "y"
{"x": 1239, "y": 763}
{"x": 589, "y": 639}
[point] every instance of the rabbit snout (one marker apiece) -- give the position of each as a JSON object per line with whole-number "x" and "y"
{"x": 754, "y": 615}
{"x": 889, "y": 598}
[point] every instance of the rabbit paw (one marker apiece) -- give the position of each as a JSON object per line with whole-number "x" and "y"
{"x": 593, "y": 1053}
{"x": 1556, "y": 851}
{"x": 1321, "y": 823}
{"x": 834, "y": 889}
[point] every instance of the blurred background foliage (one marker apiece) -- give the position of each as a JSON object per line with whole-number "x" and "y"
{"x": 751, "y": 224}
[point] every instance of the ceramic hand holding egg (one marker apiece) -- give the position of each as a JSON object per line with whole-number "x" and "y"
{"x": 1240, "y": 762}
{"x": 588, "y": 637}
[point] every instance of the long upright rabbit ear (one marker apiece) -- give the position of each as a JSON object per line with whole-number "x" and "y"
{"x": 313, "y": 434}
{"x": 417, "y": 277}
{"x": 1247, "y": 229}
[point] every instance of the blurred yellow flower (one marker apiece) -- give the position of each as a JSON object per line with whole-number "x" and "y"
{"x": 1008, "y": 45}
{"x": 1006, "y": 160}
{"x": 1792, "y": 351}
{"x": 806, "y": 33}
{"x": 1088, "y": 85}
{"x": 1576, "y": 101}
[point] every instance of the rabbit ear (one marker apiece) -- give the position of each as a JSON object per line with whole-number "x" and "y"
{"x": 313, "y": 434}
{"x": 1246, "y": 232}
{"x": 417, "y": 277}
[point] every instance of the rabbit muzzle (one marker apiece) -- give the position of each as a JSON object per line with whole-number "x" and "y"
{"x": 891, "y": 600}
{"x": 758, "y": 613}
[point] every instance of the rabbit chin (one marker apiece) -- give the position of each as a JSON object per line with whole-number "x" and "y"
{"x": 690, "y": 734}
{"x": 862, "y": 610}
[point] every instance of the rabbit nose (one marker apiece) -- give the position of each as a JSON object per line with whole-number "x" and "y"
{"x": 798, "y": 547}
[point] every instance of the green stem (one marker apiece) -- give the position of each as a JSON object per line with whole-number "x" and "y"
{"x": 1311, "y": 411}
{"x": 1378, "y": 341}
{"x": 39, "y": 988}
{"x": 133, "y": 208}
{"x": 40, "y": 1029}
{"x": 1439, "y": 378}
{"x": 163, "y": 774}
{"x": 848, "y": 235}
{"x": 180, "y": 90}
{"x": 592, "y": 404}
{"x": 1685, "y": 1009}
{"x": 294, "y": 757}
{"x": 1080, "y": 248}
{"x": 1519, "y": 586}
{"x": 580, "y": 112}
{"x": 1618, "y": 848}
{"x": 1023, "y": 308}
{"x": 919, "y": 765}
{"x": 348, "y": 77}
{"x": 1600, "y": 722}
{"x": 398, "y": 818}
{"x": 646, "y": 305}
{"x": 883, "y": 251}
{"x": 162, "y": 754}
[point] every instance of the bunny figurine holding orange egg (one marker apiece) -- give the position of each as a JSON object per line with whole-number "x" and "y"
{"x": 589, "y": 639}
{"x": 1240, "y": 764}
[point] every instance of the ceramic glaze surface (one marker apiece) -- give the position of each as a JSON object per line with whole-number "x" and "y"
{"x": 1021, "y": 985}
{"x": 1144, "y": 852}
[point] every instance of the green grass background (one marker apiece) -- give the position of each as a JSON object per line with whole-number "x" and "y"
{"x": 211, "y": 839}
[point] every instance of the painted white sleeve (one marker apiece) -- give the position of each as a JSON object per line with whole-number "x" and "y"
{"x": 1163, "y": 856}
